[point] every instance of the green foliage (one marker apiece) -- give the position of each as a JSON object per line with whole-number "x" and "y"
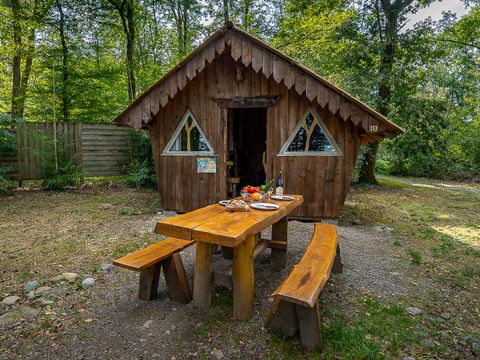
{"x": 6, "y": 185}
{"x": 416, "y": 257}
{"x": 142, "y": 170}
{"x": 434, "y": 79}
{"x": 68, "y": 174}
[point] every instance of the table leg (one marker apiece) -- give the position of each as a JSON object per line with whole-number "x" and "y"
{"x": 202, "y": 281}
{"x": 242, "y": 277}
{"x": 279, "y": 243}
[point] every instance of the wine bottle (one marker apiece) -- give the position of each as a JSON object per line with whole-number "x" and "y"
{"x": 279, "y": 189}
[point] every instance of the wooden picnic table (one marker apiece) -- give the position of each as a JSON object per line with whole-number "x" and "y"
{"x": 212, "y": 225}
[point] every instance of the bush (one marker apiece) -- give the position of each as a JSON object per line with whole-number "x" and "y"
{"x": 6, "y": 185}
{"x": 142, "y": 175}
{"x": 141, "y": 169}
{"x": 68, "y": 174}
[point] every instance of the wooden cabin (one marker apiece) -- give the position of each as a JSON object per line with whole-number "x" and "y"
{"x": 237, "y": 111}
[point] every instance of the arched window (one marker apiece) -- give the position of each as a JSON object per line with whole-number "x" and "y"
{"x": 310, "y": 138}
{"x": 188, "y": 138}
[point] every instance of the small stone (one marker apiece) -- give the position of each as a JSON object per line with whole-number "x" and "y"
{"x": 443, "y": 335}
{"x": 476, "y": 347}
{"x": 413, "y": 311}
{"x": 445, "y": 316}
{"x": 31, "y": 295}
{"x": 147, "y": 324}
{"x": 42, "y": 302}
{"x": 10, "y": 300}
{"x": 57, "y": 278}
{"x": 394, "y": 273}
{"x": 356, "y": 222}
{"x": 382, "y": 228}
{"x": 52, "y": 294}
{"x": 70, "y": 276}
{"x": 31, "y": 286}
{"x": 42, "y": 290}
{"x": 88, "y": 282}
{"x": 217, "y": 353}
{"x": 2, "y": 308}
{"x": 427, "y": 343}
{"x": 106, "y": 267}
{"x": 17, "y": 313}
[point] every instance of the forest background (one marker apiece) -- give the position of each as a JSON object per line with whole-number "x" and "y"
{"x": 86, "y": 60}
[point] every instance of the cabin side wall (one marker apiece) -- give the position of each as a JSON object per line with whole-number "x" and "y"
{"x": 182, "y": 189}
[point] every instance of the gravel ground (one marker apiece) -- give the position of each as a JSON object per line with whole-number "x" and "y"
{"x": 107, "y": 321}
{"x": 113, "y": 323}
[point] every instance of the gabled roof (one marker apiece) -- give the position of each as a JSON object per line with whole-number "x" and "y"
{"x": 271, "y": 62}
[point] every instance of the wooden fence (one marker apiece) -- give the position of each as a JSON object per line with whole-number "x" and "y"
{"x": 99, "y": 149}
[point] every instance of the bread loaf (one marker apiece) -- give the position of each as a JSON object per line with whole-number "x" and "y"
{"x": 237, "y": 205}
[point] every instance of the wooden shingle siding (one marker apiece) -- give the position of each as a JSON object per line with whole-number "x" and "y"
{"x": 250, "y": 52}
{"x": 322, "y": 180}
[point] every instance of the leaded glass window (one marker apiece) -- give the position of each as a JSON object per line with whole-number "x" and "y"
{"x": 310, "y": 137}
{"x": 188, "y": 138}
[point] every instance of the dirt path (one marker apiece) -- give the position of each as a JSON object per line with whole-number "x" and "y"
{"x": 363, "y": 309}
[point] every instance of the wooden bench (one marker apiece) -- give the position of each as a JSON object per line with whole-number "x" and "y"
{"x": 164, "y": 254}
{"x": 296, "y": 299}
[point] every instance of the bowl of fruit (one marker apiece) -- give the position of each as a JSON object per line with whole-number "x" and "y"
{"x": 251, "y": 193}
{"x": 257, "y": 193}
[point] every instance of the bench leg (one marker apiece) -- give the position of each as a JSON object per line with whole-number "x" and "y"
{"x": 337, "y": 267}
{"x": 176, "y": 279}
{"x": 309, "y": 326}
{"x": 242, "y": 278}
{"x": 202, "y": 281}
{"x": 279, "y": 234}
{"x": 227, "y": 252}
{"x": 283, "y": 319}
{"x": 148, "y": 286}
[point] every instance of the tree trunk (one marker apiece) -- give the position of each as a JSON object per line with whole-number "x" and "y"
{"x": 130, "y": 48}
{"x": 16, "y": 61}
{"x": 226, "y": 16}
{"x": 126, "y": 11}
{"x": 65, "y": 74}
{"x": 19, "y": 79}
{"x": 391, "y": 13}
{"x": 367, "y": 170}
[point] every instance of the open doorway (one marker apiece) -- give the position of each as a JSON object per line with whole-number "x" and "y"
{"x": 247, "y": 144}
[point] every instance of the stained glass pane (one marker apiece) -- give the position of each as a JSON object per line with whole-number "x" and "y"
{"x": 198, "y": 143}
{"x": 299, "y": 141}
{"x": 317, "y": 140}
{"x": 309, "y": 120}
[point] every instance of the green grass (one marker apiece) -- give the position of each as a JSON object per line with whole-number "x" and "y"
{"x": 416, "y": 257}
{"x": 380, "y": 331}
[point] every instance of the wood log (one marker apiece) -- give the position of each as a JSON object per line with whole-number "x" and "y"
{"x": 242, "y": 276}
{"x": 279, "y": 235}
{"x": 202, "y": 294}
{"x": 176, "y": 279}
{"x": 148, "y": 284}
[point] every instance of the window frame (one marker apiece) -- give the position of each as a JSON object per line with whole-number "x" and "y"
{"x": 283, "y": 150}
{"x": 178, "y": 129}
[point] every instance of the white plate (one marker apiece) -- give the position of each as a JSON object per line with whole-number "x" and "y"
{"x": 264, "y": 206}
{"x": 282, "y": 197}
{"x": 224, "y": 202}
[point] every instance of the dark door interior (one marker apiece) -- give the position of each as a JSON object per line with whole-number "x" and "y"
{"x": 247, "y": 143}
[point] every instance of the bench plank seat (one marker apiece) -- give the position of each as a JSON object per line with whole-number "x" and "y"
{"x": 296, "y": 306}
{"x": 149, "y": 261}
{"x": 310, "y": 275}
{"x": 145, "y": 258}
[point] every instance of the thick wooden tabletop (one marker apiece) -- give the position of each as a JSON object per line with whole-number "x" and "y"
{"x": 212, "y": 224}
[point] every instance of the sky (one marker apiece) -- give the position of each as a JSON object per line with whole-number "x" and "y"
{"x": 435, "y": 11}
